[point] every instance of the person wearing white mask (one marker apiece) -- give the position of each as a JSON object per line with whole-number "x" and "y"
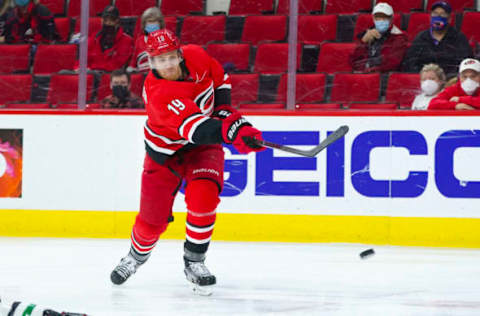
{"x": 382, "y": 46}
{"x": 465, "y": 94}
{"x": 432, "y": 81}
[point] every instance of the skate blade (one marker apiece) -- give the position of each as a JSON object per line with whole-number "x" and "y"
{"x": 204, "y": 290}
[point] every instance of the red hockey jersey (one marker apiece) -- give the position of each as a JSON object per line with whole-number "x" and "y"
{"x": 175, "y": 109}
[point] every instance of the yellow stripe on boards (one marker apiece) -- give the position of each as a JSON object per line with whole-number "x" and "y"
{"x": 379, "y": 230}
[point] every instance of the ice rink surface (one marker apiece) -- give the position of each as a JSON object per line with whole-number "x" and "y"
{"x": 253, "y": 279}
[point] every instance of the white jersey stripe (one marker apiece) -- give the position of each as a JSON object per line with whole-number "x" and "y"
{"x": 194, "y": 127}
{"x": 164, "y": 139}
{"x": 188, "y": 120}
{"x": 159, "y": 149}
{"x": 225, "y": 86}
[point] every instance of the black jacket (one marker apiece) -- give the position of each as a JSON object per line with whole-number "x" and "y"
{"x": 448, "y": 54}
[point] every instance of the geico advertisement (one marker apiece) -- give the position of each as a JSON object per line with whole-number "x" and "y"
{"x": 392, "y": 166}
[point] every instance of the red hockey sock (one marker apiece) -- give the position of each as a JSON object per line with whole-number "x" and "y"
{"x": 144, "y": 238}
{"x": 202, "y": 199}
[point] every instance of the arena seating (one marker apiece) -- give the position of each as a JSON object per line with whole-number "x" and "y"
{"x": 310, "y": 88}
{"x": 304, "y": 6}
{"x": 234, "y": 56}
{"x": 15, "y": 88}
{"x": 249, "y": 40}
{"x": 181, "y": 7}
{"x": 242, "y": 7}
{"x": 48, "y": 60}
{"x": 335, "y": 57}
{"x": 273, "y": 28}
{"x": 14, "y": 58}
{"x": 203, "y": 29}
{"x": 62, "y": 89}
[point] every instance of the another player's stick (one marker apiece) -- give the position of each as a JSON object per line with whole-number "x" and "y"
{"x": 339, "y": 133}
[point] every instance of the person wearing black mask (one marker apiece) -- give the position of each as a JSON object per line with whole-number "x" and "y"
{"x": 110, "y": 48}
{"x": 121, "y": 97}
{"x": 441, "y": 44}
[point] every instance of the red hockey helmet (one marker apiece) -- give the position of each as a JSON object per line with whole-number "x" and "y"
{"x": 160, "y": 42}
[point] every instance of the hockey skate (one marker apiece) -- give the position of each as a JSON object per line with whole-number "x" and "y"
{"x": 124, "y": 270}
{"x": 200, "y": 278}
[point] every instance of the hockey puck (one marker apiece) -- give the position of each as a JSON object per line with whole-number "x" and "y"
{"x": 367, "y": 253}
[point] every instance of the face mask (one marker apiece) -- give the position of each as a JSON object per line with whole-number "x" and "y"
{"x": 429, "y": 87}
{"x": 151, "y": 27}
{"x": 109, "y": 29}
{"x": 469, "y": 86}
{"x": 382, "y": 26}
{"x": 21, "y": 3}
{"x": 120, "y": 92}
{"x": 438, "y": 23}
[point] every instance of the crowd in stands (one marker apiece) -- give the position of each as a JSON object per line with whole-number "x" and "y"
{"x": 346, "y": 59}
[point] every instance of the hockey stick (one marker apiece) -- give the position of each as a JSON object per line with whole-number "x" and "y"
{"x": 339, "y": 133}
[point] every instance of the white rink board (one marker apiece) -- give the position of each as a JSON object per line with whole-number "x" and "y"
{"x": 93, "y": 162}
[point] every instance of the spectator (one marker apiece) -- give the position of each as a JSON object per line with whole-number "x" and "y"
{"x": 32, "y": 23}
{"x": 122, "y": 97}
{"x": 110, "y": 48}
{"x": 152, "y": 20}
{"x": 465, "y": 94}
{"x": 7, "y": 18}
{"x": 381, "y": 47}
{"x": 432, "y": 81}
{"x": 441, "y": 44}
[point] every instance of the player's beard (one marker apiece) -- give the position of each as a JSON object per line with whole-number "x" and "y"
{"x": 171, "y": 73}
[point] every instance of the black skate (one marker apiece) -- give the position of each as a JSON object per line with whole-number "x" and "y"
{"x": 124, "y": 270}
{"x": 201, "y": 279}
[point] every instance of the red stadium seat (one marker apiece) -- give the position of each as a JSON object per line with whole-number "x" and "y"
{"x": 402, "y": 88}
{"x": 365, "y": 21}
{"x": 95, "y": 7}
{"x": 47, "y": 59}
{"x": 457, "y": 5}
{"x": 235, "y": 56}
{"x": 94, "y": 25}
{"x": 304, "y": 6}
{"x": 273, "y": 58}
{"x": 470, "y": 27}
{"x": 57, "y": 7}
{"x": 15, "y": 88}
{"x": 181, "y": 7}
{"x": 262, "y": 106}
{"x": 14, "y": 58}
{"x": 349, "y": 88}
{"x": 136, "y": 85}
{"x": 372, "y": 106}
{"x": 170, "y": 24}
{"x": 352, "y": 6}
{"x": 420, "y": 22}
{"x": 134, "y": 8}
{"x": 309, "y": 88}
{"x": 317, "y": 106}
{"x": 63, "y": 89}
{"x": 335, "y": 57}
{"x": 244, "y": 88}
{"x": 63, "y": 26}
{"x": 203, "y": 29}
{"x": 248, "y": 7}
{"x": 264, "y": 28}
{"x": 314, "y": 29}
{"x": 29, "y": 106}
{"x": 405, "y": 6}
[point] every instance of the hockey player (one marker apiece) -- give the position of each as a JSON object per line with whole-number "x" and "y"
{"x": 187, "y": 98}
